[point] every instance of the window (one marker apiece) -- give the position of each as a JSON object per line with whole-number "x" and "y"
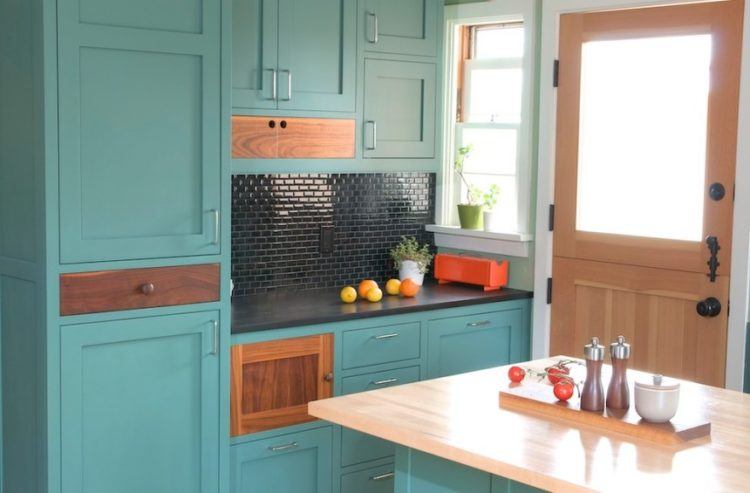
{"x": 489, "y": 108}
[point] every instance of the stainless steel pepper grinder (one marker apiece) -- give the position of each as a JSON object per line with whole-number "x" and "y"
{"x": 618, "y": 392}
{"x": 592, "y": 397}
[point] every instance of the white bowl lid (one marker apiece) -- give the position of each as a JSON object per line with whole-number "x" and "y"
{"x": 658, "y": 382}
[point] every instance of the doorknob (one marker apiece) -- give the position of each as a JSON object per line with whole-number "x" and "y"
{"x": 710, "y": 307}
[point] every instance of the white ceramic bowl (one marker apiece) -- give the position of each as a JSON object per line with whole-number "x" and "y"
{"x": 657, "y": 400}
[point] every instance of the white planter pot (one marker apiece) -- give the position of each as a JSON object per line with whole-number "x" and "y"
{"x": 409, "y": 269}
{"x": 491, "y": 220}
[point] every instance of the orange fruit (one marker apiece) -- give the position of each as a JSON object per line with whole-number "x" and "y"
{"x": 348, "y": 294}
{"x": 374, "y": 295}
{"x": 365, "y": 286}
{"x": 408, "y": 288}
{"x": 392, "y": 286}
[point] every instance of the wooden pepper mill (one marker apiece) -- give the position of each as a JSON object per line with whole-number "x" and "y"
{"x": 618, "y": 392}
{"x": 592, "y": 397}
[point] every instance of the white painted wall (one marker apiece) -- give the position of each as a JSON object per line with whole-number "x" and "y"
{"x": 739, "y": 293}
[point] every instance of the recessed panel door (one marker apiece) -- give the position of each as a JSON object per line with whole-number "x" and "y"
{"x": 644, "y": 178}
{"x": 254, "y": 53}
{"x": 406, "y": 27}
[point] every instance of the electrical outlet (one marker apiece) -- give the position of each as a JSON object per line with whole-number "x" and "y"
{"x": 326, "y": 239}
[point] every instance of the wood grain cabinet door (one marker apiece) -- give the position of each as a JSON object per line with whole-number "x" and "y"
{"x": 139, "y": 129}
{"x": 273, "y": 381}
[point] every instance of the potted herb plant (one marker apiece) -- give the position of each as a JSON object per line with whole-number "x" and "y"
{"x": 411, "y": 259}
{"x": 470, "y": 212}
{"x": 489, "y": 201}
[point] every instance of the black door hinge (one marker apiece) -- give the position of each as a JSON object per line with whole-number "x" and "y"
{"x": 549, "y": 290}
{"x": 552, "y": 217}
{"x": 556, "y": 73}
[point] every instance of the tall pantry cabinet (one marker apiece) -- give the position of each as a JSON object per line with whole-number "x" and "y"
{"x": 114, "y": 245}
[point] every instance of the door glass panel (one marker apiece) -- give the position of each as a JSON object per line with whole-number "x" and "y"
{"x": 642, "y": 142}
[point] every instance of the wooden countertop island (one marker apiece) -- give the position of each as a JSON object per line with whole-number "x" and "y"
{"x": 458, "y": 418}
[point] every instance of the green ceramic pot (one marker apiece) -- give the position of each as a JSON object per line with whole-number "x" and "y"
{"x": 470, "y": 216}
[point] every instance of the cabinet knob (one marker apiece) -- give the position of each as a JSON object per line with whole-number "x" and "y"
{"x": 147, "y": 288}
{"x": 283, "y": 123}
{"x": 328, "y": 377}
{"x": 272, "y": 123}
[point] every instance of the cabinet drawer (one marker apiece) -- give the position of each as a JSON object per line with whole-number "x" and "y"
{"x": 359, "y": 447}
{"x": 111, "y": 290}
{"x": 297, "y": 462}
{"x": 378, "y": 345}
{"x": 374, "y": 480}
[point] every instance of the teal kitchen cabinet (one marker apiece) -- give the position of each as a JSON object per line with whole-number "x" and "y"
{"x": 478, "y": 341}
{"x": 140, "y": 405}
{"x": 297, "y": 462}
{"x": 399, "y": 109}
{"x": 373, "y": 480}
{"x": 407, "y": 27}
{"x": 139, "y": 129}
{"x": 294, "y": 55}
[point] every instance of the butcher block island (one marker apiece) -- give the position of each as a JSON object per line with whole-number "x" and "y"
{"x": 453, "y": 436}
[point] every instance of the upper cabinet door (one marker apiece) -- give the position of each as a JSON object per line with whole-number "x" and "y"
{"x": 406, "y": 27}
{"x": 254, "y": 53}
{"x": 317, "y": 55}
{"x": 139, "y": 129}
{"x": 399, "y": 116}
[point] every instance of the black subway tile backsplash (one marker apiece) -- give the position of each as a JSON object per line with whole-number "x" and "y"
{"x": 278, "y": 219}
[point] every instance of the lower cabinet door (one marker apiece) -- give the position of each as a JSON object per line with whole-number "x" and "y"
{"x": 357, "y": 447}
{"x": 373, "y": 480}
{"x": 140, "y": 405}
{"x": 475, "y": 342}
{"x": 294, "y": 463}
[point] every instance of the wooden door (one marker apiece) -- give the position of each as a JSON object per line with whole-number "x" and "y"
{"x": 254, "y": 53}
{"x": 140, "y": 405}
{"x": 407, "y": 27}
{"x": 644, "y": 180}
{"x": 317, "y": 55}
{"x": 273, "y": 381}
{"x": 399, "y": 113}
{"x": 139, "y": 129}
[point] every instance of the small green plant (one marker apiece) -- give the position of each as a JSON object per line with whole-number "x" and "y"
{"x": 473, "y": 192}
{"x": 490, "y": 197}
{"x": 410, "y": 249}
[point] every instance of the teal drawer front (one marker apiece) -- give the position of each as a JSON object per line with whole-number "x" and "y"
{"x": 294, "y": 463}
{"x": 374, "y": 480}
{"x": 474, "y": 342}
{"x": 378, "y": 345}
{"x": 359, "y": 447}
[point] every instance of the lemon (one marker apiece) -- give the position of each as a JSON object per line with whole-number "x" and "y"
{"x": 392, "y": 286}
{"x": 374, "y": 295}
{"x": 348, "y": 294}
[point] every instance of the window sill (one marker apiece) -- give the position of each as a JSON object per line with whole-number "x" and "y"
{"x": 512, "y": 244}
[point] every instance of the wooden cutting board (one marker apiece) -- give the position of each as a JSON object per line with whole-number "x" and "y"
{"x": 536, "y": 397}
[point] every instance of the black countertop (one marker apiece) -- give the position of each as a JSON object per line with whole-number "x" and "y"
{"x": 277, "y": 310}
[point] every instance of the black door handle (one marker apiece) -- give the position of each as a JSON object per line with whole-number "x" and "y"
{"x": 710, "y": 307}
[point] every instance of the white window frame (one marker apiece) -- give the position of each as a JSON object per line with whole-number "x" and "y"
{"x": 508, "y": 243}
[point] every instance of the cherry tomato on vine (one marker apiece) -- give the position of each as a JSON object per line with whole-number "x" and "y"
{"x": 516, "y": 374}
{"x": 554, "y": 373}
{"x": 563, "y": 390}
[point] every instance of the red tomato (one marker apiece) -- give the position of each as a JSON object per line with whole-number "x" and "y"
{"x": 516, "y": 374}
{"x": 554, "y": 373}
{"x": 563, "y": 390}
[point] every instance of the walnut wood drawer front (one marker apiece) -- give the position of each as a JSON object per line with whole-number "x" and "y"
{"x": 378, "y": 345}
{"x": 112, "y": 290}
{"x": 270, "y": 137}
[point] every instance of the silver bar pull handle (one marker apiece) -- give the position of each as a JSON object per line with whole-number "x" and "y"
{"x": 274, "y": 83}
{"x": 382, "y": 477}
{"x": 385, "y": 382}
{"x": 288, "y": 84}
{"x": 281, "y": 448}
{"x": 386, "y": 336}
{"x": 374, "y": 38}
{"x": 215, "y": 344}
{"x": 372, "y": 143}
{"x": 478, "y": 324}
{"x": 215, "y": 214}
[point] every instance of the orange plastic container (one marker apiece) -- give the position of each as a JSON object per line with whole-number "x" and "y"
{"x": 490, "y": 274}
